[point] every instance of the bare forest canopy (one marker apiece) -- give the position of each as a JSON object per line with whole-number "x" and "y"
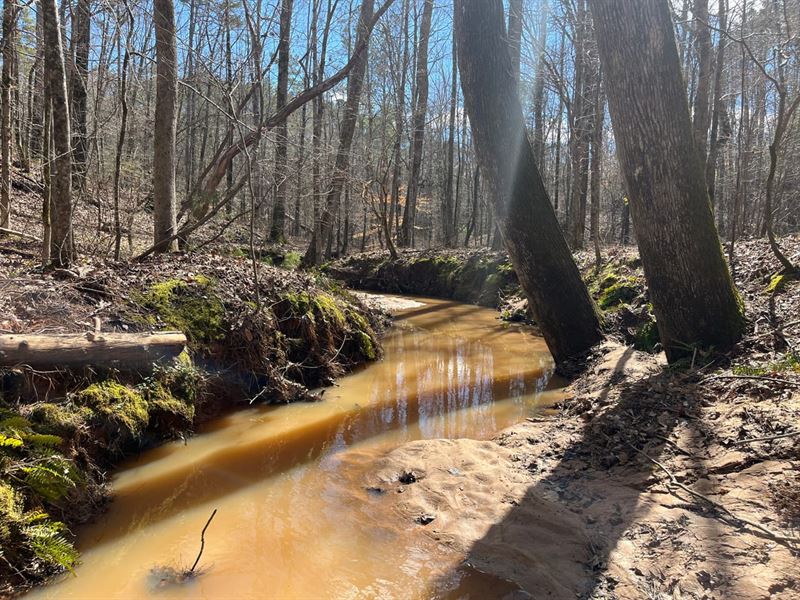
{"x": 412, "y": 172}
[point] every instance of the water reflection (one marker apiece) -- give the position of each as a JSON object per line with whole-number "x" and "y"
{"x": 294, "y": 519}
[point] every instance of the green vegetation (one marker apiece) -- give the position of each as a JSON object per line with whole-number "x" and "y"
{"x": 320, "y": 305}
{"x": 788, "y": 362}
{"x": 33, "y": 472}
{"x": 115, "y": 403}
{"x": 776, "y": 284}
{"x": 190, "y": 306}
{"x": 612, "y": 289}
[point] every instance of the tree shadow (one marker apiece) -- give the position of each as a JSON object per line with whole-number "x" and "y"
{"x": 556, "y": 541}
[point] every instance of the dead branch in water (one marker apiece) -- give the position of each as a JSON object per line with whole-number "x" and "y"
{"x": 202, "y": 542}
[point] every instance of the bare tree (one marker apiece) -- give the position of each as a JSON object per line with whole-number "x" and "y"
{"x": 62, "y": 250}
{"x": 540, "y": 255}
{"x": 665, "y": 178}
{"x": 164, "y": 222}
{"x": 420, "y": 111}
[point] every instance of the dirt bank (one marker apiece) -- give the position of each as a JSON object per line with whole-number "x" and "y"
{"x": 642, "y": 485}
{"x": 648, "y": 481}
{"x": 61, "y": 430}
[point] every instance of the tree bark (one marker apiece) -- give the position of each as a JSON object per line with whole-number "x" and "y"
{"x": 10, "y": 14}
{"x": 420, "y": 111}
{"x": 693, "y": 295}
{"x": 702, "y": 40}
{"x": 122, "y": 350}
{"x": 278, "y": 229}
{"x": 448, "y": 221}
{"x": 164, "y": 222}
{"x": 62, "y": 250}
{"x": 81, "y": 24}
{"x": 537, "y": 248}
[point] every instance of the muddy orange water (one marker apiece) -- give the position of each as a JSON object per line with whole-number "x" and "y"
{"x": 295, "y": 519}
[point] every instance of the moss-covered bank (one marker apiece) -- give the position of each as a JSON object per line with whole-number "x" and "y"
{"x": 61, "y": 431}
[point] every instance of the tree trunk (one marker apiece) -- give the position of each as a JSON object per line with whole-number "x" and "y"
{"x": 62, "y": 251}
{"x": 718, "y": 106}
{"x": 355, "y": 83}
{"x": 448, "y": 222}
{"x": 81, "y": 24}
{"x": 702, "y": 40}
{"x": 278, "y": 230}
{"x": 420, "y": 111}
{"x": 164, "y": 225}
{"x": 538, "y": 86}
{"x": 10, "y": 13}
{"x": 540, "y": 255}
{"x": 515, "y": 15}
{"x": 693, "y": 296}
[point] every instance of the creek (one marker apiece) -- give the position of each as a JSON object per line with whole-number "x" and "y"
{"x": 294, "y": 517}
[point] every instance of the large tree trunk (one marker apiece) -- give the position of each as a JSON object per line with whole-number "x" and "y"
{"x": 81, "y": 20}
{"x": 62, "y": 251}
{"x": 278, "y": 229}
{"x": 693, "y": 296}
{"x": 540, "y": 255}
{"x": 420, "y": 111}
{"x": 10, "y": 12}
{"x": 355, "y": 83}
{"x": 164, "y": 225}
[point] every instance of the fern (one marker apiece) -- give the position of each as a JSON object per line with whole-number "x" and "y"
{"x": 52, "y": 478}
{"x": 49, "y": 544}
{"x": 10, "y": 442}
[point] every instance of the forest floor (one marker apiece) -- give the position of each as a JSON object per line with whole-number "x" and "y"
{"x": 648, "y": 481}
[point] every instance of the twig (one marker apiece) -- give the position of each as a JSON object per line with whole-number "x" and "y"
{"x": 759, "y": 377}
{"x": 202, "y": 541}
{"x": 767, "y": 438}
{"x": 21, "y": 234}
{"x": 673, "y": 481}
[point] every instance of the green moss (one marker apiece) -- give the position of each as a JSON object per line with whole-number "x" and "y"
{"x": 117, "y": 403}
{"x": 612, "y": 289}
{"x": 160, "y": 399}
{"x": 188, "y": 306}
{"x": 59, "y": 420}
{"x": 366, "y": 345}
{"x": 315, "y": 305}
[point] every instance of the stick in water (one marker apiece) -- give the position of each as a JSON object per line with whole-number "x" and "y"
{"x": 202, "y": 541}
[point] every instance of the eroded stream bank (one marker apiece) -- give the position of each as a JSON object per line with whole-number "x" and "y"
{"x": 296, "y": 518}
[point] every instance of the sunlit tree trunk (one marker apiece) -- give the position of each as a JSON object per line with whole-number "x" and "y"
{"x": 537, "y": 248}
{"x": 278, "y": 229}
{"x": 693, "y": 296}
{"x": 420, "y": 111}
{"x": 10, "y": 13}
{"x": 78, "y": 95}
{"x": 164, "y": 225}
{"x": 62, "y": 251}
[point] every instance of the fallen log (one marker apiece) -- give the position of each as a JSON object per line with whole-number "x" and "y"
{"x": 120, "y": 350}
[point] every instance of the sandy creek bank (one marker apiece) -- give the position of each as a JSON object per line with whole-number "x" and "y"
{"x": 580, "y": 504}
